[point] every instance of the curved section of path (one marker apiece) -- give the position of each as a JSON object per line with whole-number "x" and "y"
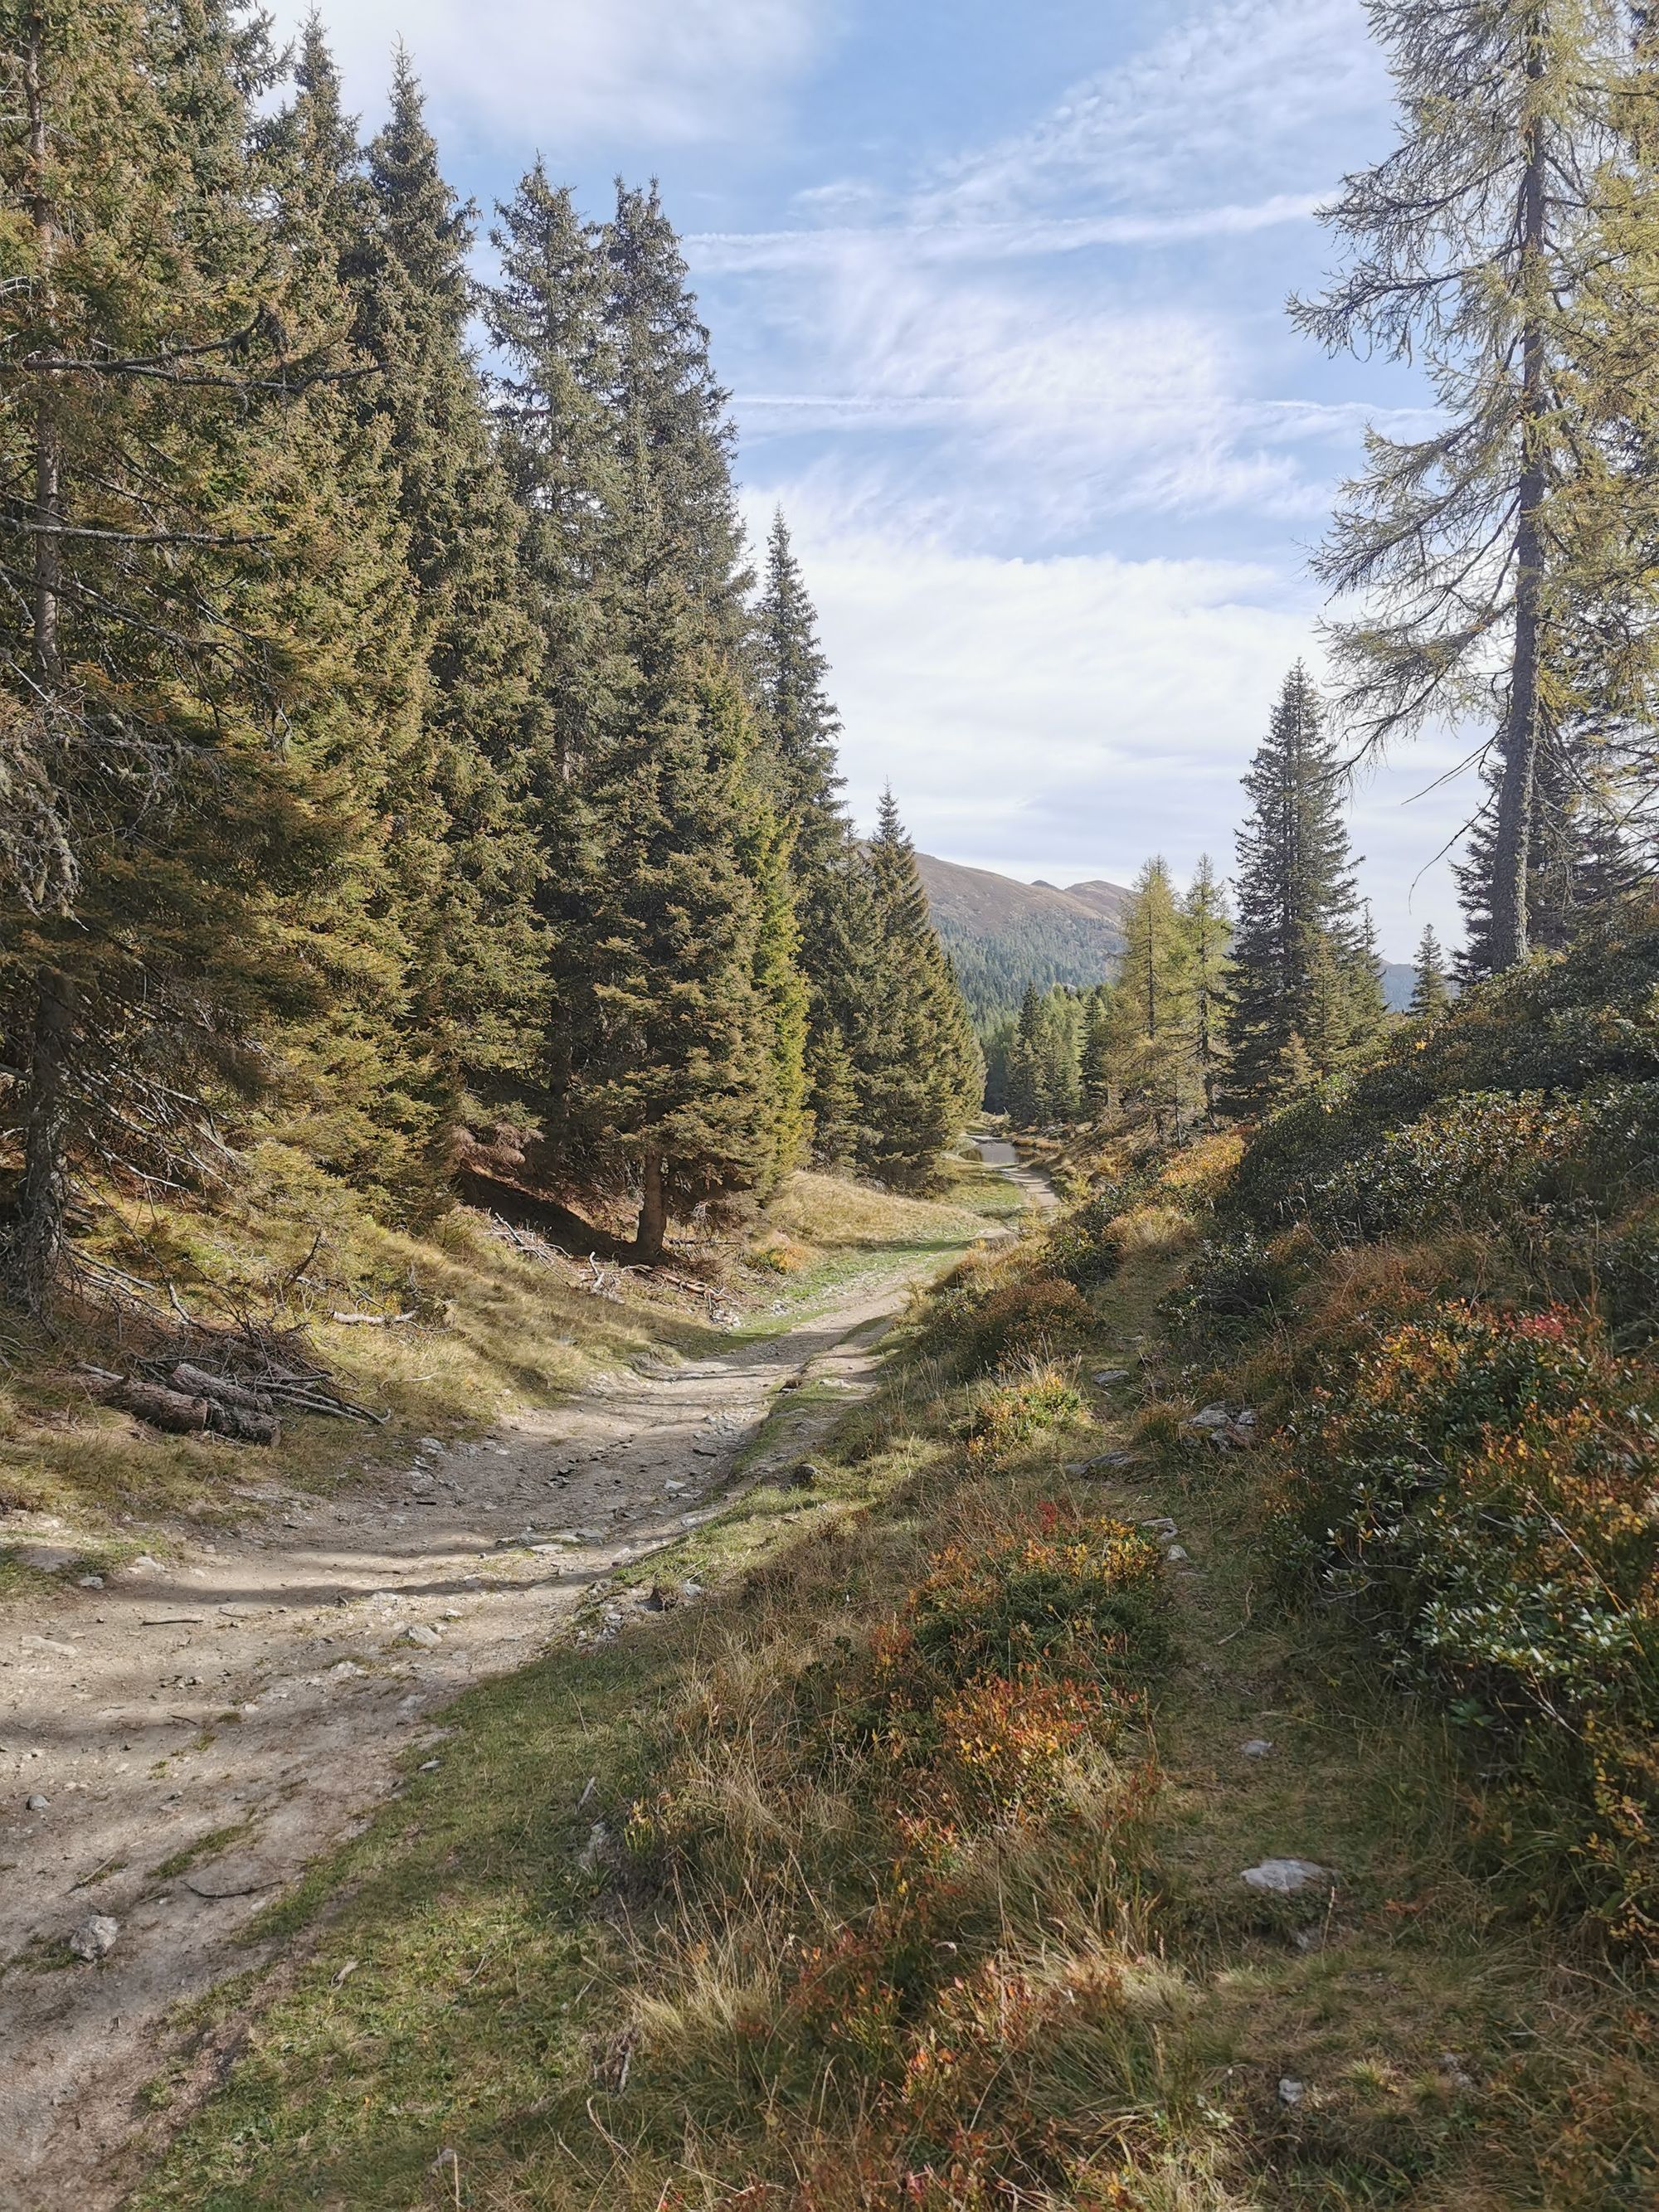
{"x": 200, "y": 1729}
{"x": 1038, "y": 1191}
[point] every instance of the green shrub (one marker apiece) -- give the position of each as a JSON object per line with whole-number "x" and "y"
{"x": 1480, "y": 1493}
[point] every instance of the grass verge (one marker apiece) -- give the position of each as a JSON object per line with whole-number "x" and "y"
{"x": 905, "y": 1869}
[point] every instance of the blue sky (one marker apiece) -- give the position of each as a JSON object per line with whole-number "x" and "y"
{"x": 999, "y": 292}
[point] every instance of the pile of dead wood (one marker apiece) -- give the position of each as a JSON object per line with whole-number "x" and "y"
{"x": 235, "y": 1384}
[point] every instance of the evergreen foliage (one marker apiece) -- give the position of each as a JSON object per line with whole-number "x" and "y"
{"x": 1306, "y": 986}
{"x": 1430, "y": 991}
{"x": 921, "y": 1073}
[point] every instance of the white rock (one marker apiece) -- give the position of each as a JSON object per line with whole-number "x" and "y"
{"x": 1257, "y": 1748}
{"x": 1285, "y": 1877}
{"x": 95, "y": 1938}
{"x": 597, "y": 1837}
{"x": 90, "y": 1582}
{"x": 419, "y": 1632}
{"x": 1210, "y": 1417}
{"x": 429, "y": 1444}
{"x": 1176, "y": 1552}
{"x": 38, "y": 1803}
{"x": 1291, "y": 2091}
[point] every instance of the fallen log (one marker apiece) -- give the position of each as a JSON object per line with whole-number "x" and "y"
{"x": 244, "y": 1427}
{"x": 200, "y": 1384}
{"x": 180, "y": 1416}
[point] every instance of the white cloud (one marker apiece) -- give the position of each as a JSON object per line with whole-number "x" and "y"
{"x": 721, "y": 253}
{"x": 1246, "y": 90}
{"x": 1066, "y": 717}
{"x": 651, "y": 70}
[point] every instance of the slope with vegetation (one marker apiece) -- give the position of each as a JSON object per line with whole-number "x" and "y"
{"x": 912, "y": 1868}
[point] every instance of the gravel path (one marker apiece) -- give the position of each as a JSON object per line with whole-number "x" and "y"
{"x": 201, "y": 1728}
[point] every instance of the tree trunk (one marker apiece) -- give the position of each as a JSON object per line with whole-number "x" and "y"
{"x": 43, "y": 1194}
{"x": 1511, "y": 860}
{"x": 652, "y": 1230}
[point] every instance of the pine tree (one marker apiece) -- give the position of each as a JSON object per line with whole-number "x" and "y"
{"x": 1209, "y": 932}
{"x": 1467, "y": 249}
{"x": 1430, "y": 992}
{"x": 1300, "y": 937}
{"x": 922, "y": 1074}
{"x": 157, "y": 340}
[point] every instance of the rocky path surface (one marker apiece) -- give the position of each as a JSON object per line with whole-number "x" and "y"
{"x": 176, "y": 1744}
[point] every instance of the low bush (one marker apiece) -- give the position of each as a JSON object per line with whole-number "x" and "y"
{"x": 1006, "y": 1416}
{"x": 1481, "y": 1493}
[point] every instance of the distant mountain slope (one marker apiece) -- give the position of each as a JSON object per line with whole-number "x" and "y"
{"x": 1005, "y": 935}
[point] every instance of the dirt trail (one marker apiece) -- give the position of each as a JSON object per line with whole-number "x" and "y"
{"x": 202, "y": 1729}
{"x": 996, "y": 1152}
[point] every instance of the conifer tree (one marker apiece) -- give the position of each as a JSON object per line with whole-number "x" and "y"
{"x": 480, "y": 959}
{"x": 922, "y": 1074}
{"x": 1209, "y": 932}
{"x": 1299, "y": 952}
{"x": 375, "y": 1100}
{"x": 1098, "y": 1072}
{"x": 1154, "y": 1001}
{"x": 664, "y": 395}
{"x": 1467, "y": 247}
{"x": 1430, "y": 992}
{"x": 152, "y": 647}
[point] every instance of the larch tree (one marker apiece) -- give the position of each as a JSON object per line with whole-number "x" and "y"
{"x": 1209, "y": 932}
{"x": 1154, "y": 1001}
{"x": 1467, "y": 248}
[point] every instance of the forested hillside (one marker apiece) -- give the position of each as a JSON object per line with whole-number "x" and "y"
{"x": 1004, "y": 936}
{"x": 405, "y": 766}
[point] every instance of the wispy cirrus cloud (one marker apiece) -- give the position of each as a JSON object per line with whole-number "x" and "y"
{"x": 645, "y": 71}
{"x": 727, "y": 251}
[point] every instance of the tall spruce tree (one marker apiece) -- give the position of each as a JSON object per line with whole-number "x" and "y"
{"x": 480, "y": 959}
{"x": 1303, "y": 978}
{"x": 919, "y": 1073}
{"x": 153, "y": 640}
{"x": 374, "y": 1098}
{"x": 1430, "y": 990}
{"x": 1468, "y": 248}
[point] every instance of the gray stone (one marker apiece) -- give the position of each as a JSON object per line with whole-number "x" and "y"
{"x": 94, "y": 1939}
{"x": 1162, "y": 1526}
{"x": 89, "y": 1581}
{"x": 1210, "y": 1417}
{"x": 1109, "y": 1462}
{"x": 1285, "y": 1877}
{"x": 1257, "y": 1748}
{"x": 1108, "y": 1378}
{"x": 1176, "y": 1552}
{"x": 45, "y": 1559}
{"x": 419, "y": 1632}
{"x": 429, "y": 1444}
{"x": 1291, "y": 2091}
{"x": 593, "y": 1850}
{"x": 37, "y": 1803}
